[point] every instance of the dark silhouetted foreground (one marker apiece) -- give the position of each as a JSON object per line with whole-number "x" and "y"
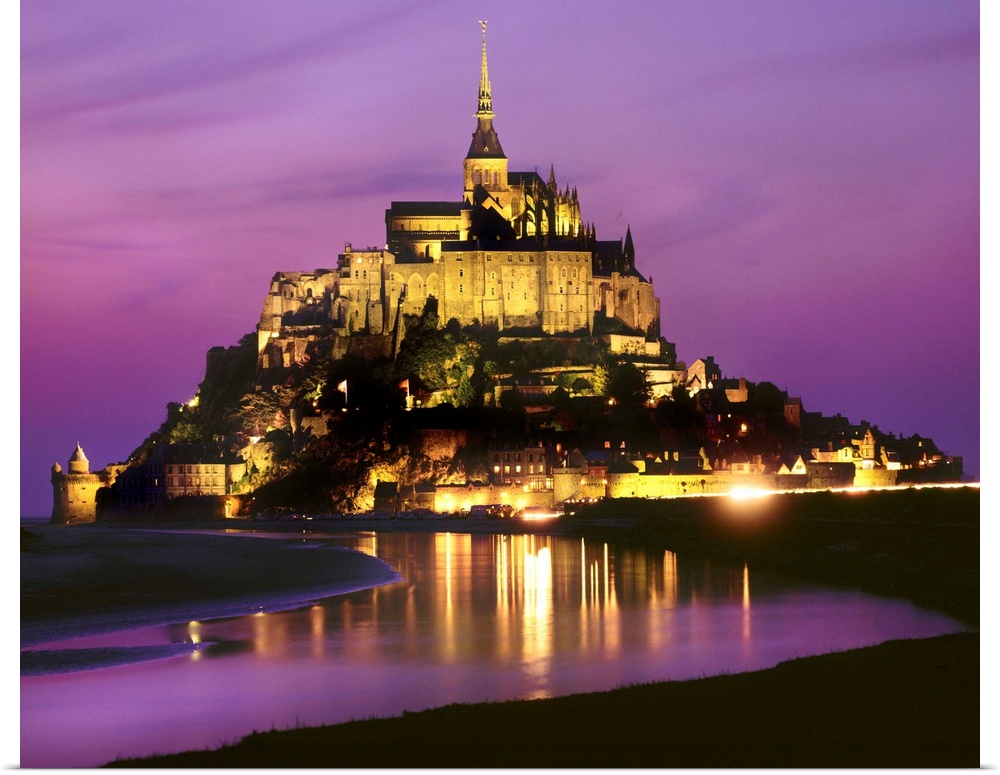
{"x": 912, "y": 703}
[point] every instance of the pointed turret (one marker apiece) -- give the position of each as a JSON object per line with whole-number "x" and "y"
{"x": 78, "y": 463}
{"x": 628, "y": 252}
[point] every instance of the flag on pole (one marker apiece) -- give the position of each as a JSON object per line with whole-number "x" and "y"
{"x": 405, "y": 385}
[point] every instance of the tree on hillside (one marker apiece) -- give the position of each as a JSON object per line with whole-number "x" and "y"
{"x": 628, "y": 386}
{"x": 263, "y": 410}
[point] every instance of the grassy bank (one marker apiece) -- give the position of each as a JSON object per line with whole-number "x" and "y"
{"x": 908, "y": 703}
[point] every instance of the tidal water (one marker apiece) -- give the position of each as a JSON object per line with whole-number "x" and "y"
{"x": 475, "y": 617}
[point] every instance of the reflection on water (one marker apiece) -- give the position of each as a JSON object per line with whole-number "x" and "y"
{"x": 477, "y": 617}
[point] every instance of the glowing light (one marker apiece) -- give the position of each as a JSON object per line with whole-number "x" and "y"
{"x": 746, "y": 493}
{"x": 532, "y": 513}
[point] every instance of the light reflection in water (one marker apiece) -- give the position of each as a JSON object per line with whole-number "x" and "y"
{"x": 477, "y": 617}
{"x": 532, "y": 582}
{"x": 746, "y": 602}
{"x": 317, "y": 620}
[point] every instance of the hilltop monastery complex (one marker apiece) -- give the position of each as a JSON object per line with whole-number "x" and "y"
{"x": 512, "y": 252}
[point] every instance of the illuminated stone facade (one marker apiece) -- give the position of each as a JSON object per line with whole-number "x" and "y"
{"x": 513, "y": 253}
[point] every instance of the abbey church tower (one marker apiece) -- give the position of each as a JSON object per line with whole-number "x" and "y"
{"x": 485, "y": 163}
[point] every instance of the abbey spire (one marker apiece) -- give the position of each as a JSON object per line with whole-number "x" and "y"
{"x": 485, "y": 98}
{"x": 485, "y": 143}
{"x": 485, "y": 164}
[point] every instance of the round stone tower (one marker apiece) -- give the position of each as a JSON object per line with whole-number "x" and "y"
{"x": 74, "y": 493}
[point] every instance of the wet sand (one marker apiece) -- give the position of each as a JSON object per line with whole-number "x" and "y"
{"x": 85, "y": 579}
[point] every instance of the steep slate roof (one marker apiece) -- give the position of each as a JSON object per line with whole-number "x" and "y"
{"x": 622, "y": 466}
{"x": 426, "y": 208}
{"x": 528, "y": 244}
{"x": 611, "y": 258}
{"x": 525, "y": 178}
{"x": 485, "y": 143}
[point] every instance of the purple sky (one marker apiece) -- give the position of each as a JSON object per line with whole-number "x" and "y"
{"x": 801, "y": 179}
